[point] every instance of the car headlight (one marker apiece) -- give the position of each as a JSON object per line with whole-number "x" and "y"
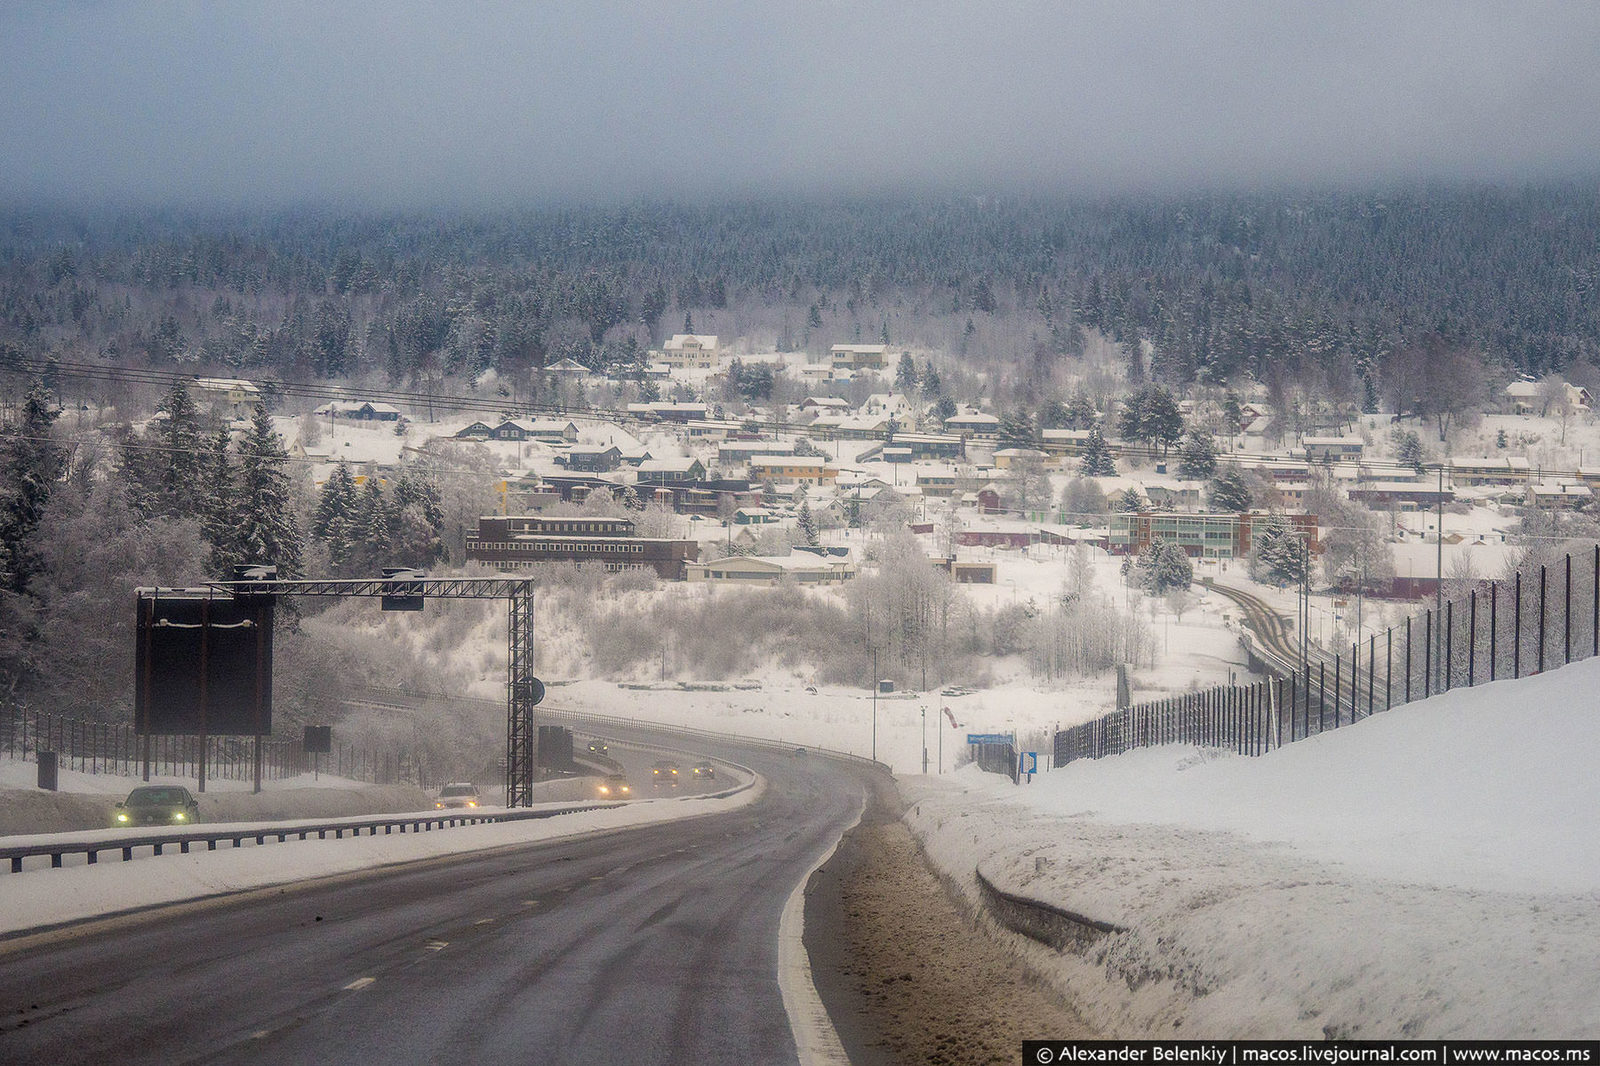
{"x": 438, "y": 806}
{"x": 122, "y": 816}
{"x": 472, "y": 803}
{"x": 178, "y": 817}
{"x": 604, "y": 790}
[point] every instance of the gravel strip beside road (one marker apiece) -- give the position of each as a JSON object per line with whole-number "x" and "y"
{"x": 907, "y": 975}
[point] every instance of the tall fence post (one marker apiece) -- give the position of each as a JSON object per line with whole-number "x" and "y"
{"x": 1449, "y": 642}
{"x": 1472, "y": 637}
{"x": 1408, "y": 658}
{"x": 1516, "y": 632}
{"x": 1541, "y": 616}
{"x": 1566, "y": 615}
{"x": 1494, "y": 628}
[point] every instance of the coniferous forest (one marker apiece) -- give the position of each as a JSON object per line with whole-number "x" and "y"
{"x": 1317, "y": 287}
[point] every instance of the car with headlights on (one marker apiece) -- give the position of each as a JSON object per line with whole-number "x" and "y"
{"x": 613, "y": 787}
{"x": 703, "y": 771}
{"x": 664, "y": 774}
{"x": 458, "y": 794}
{"x": 157, "y": 805}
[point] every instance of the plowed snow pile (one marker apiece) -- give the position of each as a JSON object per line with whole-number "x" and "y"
{"x": 1431, "y": 872}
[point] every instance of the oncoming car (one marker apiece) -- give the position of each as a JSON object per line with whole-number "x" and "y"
{"x": 703, "y": 771}
{"x": 157, "y": 805}
{"x": 599, "y": 747}
{"x": 664, "y": 774}
{"x": 458, "y": 794}
{"x": 614, "y": 787}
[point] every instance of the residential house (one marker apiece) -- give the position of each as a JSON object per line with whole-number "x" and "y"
{"x": 691, "y": 351}
{"x": 229, "y": 397}
{"x": 591, "y": 458}
{"x": 662, "y": 411}
{"x": 360, "y": 411}
{"x": 1331, "y": 449}
{"x": 974, "y": 425}
{"x": 1507, "y": 472}
{"x": 798, "y": 567}
{"x": 475, "y": 431}
{"x": 1004, "y": 458}
{"x": 823, "y": 404}
{"x": 550, "y": 431}
{"x": 656, "y": 471}
{"x": 802, "y": 469}
{"x": 1404, "y": 495}
{"x": 1526, "y": 397}
{"x": 859, "y": 356}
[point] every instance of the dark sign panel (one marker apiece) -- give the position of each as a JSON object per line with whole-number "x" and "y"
{"x": 319, "y": 739}
{"x": 204, "y": 664}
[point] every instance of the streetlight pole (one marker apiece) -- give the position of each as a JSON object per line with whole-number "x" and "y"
{"x": 874, "y": 704}
{"x": 924, "y": 741}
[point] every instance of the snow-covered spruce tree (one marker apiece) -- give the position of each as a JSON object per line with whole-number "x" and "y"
{"x": 217, "y": 519}
{"x": 807, "y": 523}
{"x": 1198, "y": 460}
{"x": 268, "y": 531}
{"x": 1276, "y": 553}
{"x": 30, "y": 466}
{"x": 1097, "y": 461}
{"x": 372, "y": 535}
{"x": 1229, "y": 492}
{"x": 1173, "y": 570}
{"x": 336, "y": 503}
{"x": 1129, "y": 501}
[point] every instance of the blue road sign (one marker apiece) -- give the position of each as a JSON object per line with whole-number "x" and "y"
{"x": 988, "y": 738}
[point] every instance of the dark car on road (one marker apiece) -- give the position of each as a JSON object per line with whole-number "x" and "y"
{"x": 599, "y": 747}
{"x": 664, "y": 774}
{"x": 703, "y": 771}
{"x": 157, "y": 805}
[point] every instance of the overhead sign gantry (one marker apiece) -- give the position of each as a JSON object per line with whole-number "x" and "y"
{"x": 403, "y": 590}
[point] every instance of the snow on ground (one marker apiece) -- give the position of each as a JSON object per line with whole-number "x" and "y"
{"x": 1431, "y": 872}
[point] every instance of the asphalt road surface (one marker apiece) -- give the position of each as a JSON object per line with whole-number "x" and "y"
{"x": 649, "y": 945}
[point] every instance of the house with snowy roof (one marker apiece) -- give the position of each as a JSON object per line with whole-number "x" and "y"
{"x": 691, "y": 351}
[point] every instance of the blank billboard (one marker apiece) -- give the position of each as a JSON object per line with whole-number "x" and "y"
{"x": 204, "y": 664}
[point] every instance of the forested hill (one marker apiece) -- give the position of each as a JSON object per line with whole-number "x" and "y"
{"x": 1219, "y": 284}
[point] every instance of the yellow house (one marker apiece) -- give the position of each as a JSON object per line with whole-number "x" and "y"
{"x": 804, "y": 470}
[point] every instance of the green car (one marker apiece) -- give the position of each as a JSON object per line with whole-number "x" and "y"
{"x": 157, "y": 805}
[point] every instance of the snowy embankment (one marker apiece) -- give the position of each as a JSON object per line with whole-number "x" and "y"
{"x": 1431, "y": 872}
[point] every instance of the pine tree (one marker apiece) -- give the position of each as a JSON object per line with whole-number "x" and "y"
{"x": 1500, "y": 439}
{"x": 217, "y": 522}
{"x": 1199, "y": 458}
{"x": 807, "y": 522}
{"x": 1409, "y": 450}
{"x": 336, "y": 504}
{"x": 1229, "y": 492}
{"x": 905, "y": 374}
{"x": 1097, "y": 461}
{"x": 1277, "y": 554}
{"x": 1172, "y": 570}
{"x": 30, "y": 466}
{"x": 371, "y": 531}
{"x": 1016, "y": 430}
{"x": 268, "y": 531}
{"x": 178, "y": 493}
{"x": 1080, "y": 412}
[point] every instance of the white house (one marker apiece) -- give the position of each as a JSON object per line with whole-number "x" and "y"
{"x": 691, "y": 351}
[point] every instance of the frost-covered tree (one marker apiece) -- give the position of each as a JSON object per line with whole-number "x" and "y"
{"x": 1082, "y": 499}
{"x": 1229, "y": 492}
{"x": 1129, "y": 501}
{"x": 1097, "y": 461}
{"x": 1198, "y": 459}
{"x": 1277, "y": 554}
{"x": 807, "y": 523}
{"x": 268, "y": 531}
{"x": 31, "y": 464}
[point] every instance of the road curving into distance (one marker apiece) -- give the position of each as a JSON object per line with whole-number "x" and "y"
{"x": 657, "y": 944}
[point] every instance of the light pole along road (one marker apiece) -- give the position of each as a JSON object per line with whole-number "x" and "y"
{"x": 650, "y": 945}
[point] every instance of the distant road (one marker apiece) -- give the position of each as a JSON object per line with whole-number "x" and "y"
{"x": 649, "y": 945}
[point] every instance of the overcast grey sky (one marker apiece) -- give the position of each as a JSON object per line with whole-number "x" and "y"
{"x": 399, "y": 103}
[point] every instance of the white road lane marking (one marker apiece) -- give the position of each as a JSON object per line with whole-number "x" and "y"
{"x": 436, "y": 945}
{"x": 359, "y": 983}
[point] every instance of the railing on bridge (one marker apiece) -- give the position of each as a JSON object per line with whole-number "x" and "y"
{"x": 1536, "y": 620}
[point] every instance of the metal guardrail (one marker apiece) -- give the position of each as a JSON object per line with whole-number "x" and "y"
{"x": 238, "y": 833}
